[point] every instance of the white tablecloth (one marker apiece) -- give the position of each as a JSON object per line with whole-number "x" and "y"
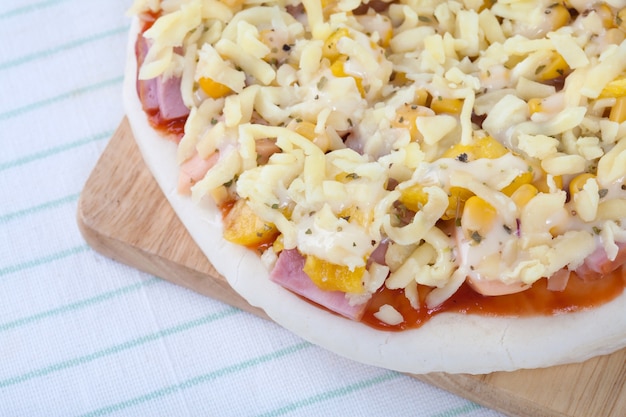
{"x": 83, "y": 335}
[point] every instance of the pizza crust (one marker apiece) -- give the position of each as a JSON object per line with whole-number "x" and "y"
{"x": 448, "y": 342}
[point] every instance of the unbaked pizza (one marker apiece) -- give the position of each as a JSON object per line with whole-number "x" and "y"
{"x": 423, "y": 185}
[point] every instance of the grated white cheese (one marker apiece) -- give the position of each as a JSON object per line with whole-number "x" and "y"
{"x": 377, "y": 120}
{"x": 388, "y": 314}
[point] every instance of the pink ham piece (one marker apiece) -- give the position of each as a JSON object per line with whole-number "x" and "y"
{"x": 193, "y": 170}
{"x": 289, "y": 273}
{"x": 599, "y": 263}
{"x": 159, "y": 93}
{"x": 558, "y": 281}
{"x": 146, "y": 89}
{"x": 265, "y": 148}
{"x": 170, "y": 99}
{"x": 378, "y": 255}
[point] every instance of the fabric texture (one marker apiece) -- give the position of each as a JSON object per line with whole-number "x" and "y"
{"x": 83, "y": 335}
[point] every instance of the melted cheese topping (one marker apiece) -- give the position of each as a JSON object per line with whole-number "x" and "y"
{"x": 378, "y": 119}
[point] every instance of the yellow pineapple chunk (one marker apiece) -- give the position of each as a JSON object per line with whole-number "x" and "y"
{"x": 307, "y": 129}
{"x": 456, "y": 202}
{"x": 406, "y": 116}
{"x": 330, "y": 44}
{"x": 524, "y": 194}
{"x": 414, "y": 197}
{"x": 338, "y": 68}
{"x": 243, "y": 227}
{"x": 524, "y": 178}
{"x": 478, "y": 218}
{"x": 486, "y": 147}
{"x": 556, "y": 67}
{"x": 535, "y": 105}
{"x": 446, "y": 105}
{"x": 332, "y": 277}
{"x": 614, "y": 89}
{"x": 213, "y": 89}
{"x": 578, "y": 182}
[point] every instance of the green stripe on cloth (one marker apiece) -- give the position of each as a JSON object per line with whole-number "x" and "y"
{"x": 38, "y": 208}
{"x": 30, "y": 8}
{"x": 112, "y": 350}
{"x": 77, "y": 305}
{"x": 55, "y": 150}
{"x": 332, "y": 394}
{"x": 43, "y": 260}
{"x": 192, "y": 382}
{"x": 52, "y": 100}
{"x": 60, "y": 48}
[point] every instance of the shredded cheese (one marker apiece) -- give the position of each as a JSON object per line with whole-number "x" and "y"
{"x": 380, "y": 126}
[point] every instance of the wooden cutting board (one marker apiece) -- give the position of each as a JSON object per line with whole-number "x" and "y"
{"x": 123, "y": 215}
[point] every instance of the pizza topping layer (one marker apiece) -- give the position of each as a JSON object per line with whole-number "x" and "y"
{"x": 405, "y": 146}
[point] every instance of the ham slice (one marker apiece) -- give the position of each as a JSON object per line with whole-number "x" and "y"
{"x": 160, "y": 93}
{"x": 289, "y": 273}
{"x": 598, "y": 264}
{"x": 193, "y": 170}
{"x": 146, "y": 89}
{"x": 170, "y": 99}
{"x": 558, "y": 281}
{"x": 378, "y": 255}
{"x": 265, "y": 148}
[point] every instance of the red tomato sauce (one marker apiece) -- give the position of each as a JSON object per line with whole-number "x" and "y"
{"x": 148, "y": 19}
{"x": 537, "y": 300}
{"x": 174, "y": 128}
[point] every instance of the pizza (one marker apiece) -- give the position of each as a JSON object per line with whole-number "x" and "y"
{"x": 425, "y": 186}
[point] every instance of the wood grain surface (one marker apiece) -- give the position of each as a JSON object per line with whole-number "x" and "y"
{"x": 123, "y": 215}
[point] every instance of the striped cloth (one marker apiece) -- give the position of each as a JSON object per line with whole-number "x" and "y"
{"x": 83, "y": 335}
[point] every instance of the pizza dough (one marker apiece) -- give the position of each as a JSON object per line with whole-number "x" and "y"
{"x": 448, "y": 342}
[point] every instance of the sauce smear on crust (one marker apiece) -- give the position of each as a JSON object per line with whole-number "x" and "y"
{"x": 536, "y": 301}
{"x": 174, "y": 128}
